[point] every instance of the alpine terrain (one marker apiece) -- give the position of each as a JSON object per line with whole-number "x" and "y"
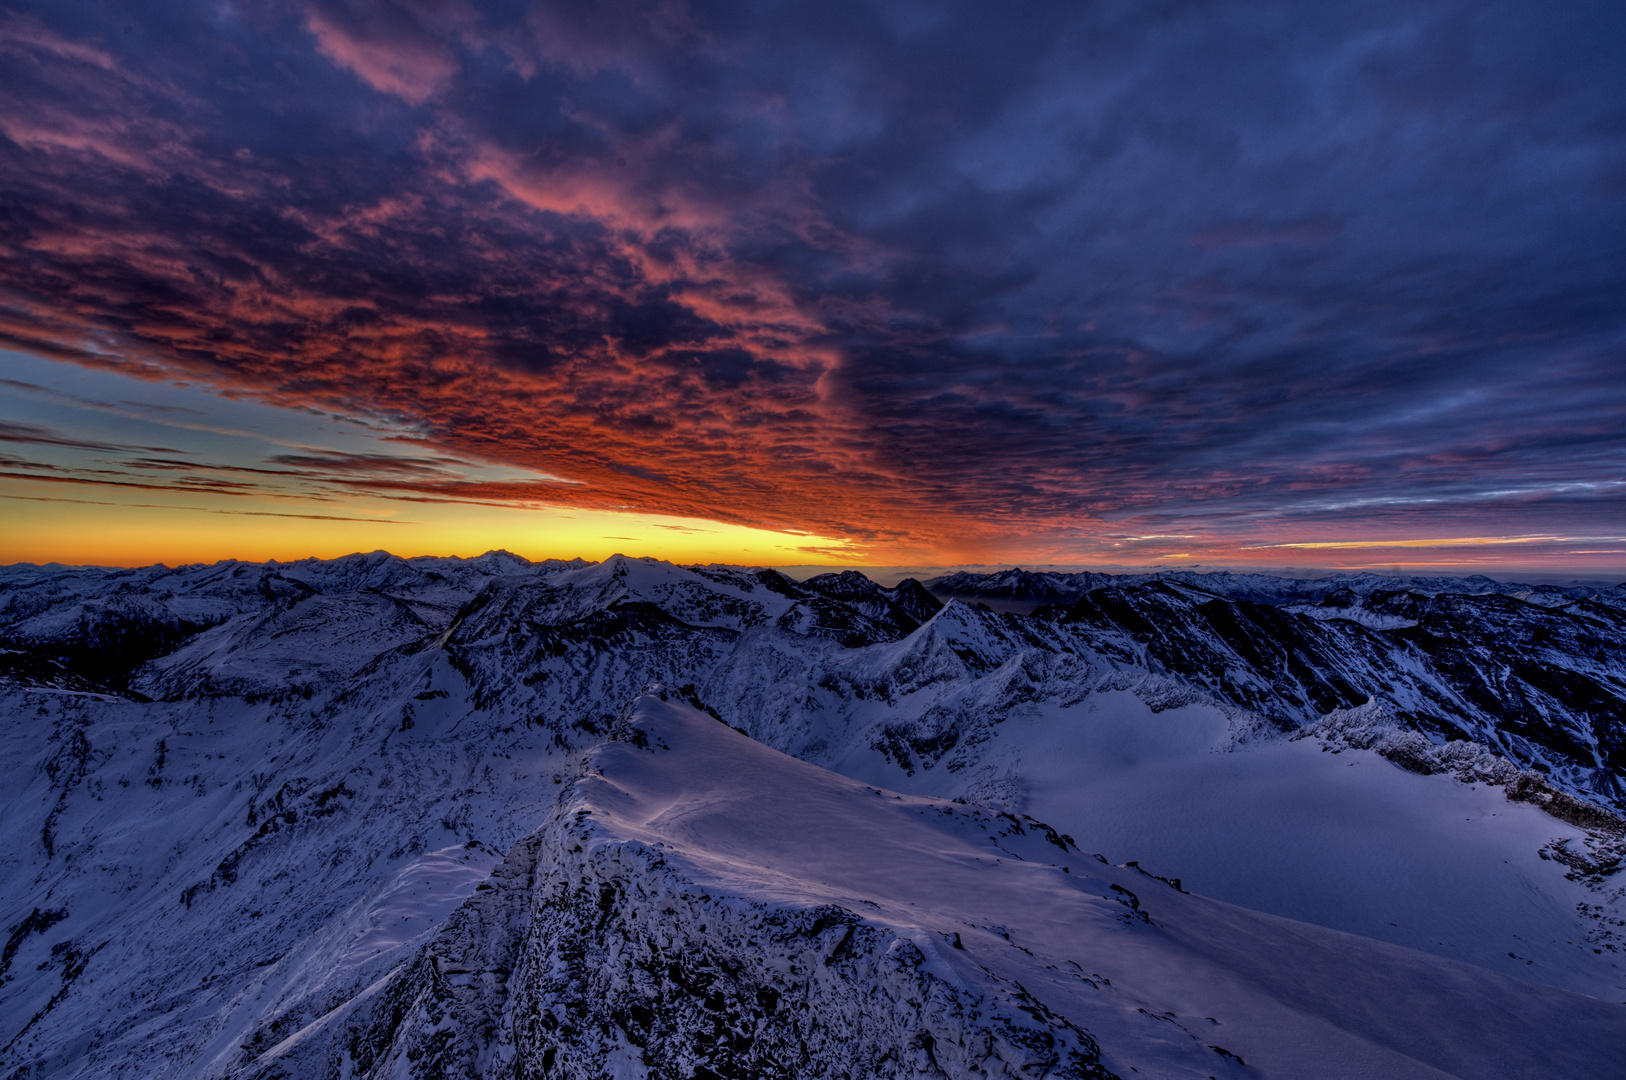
{"x": 437, "y": 817}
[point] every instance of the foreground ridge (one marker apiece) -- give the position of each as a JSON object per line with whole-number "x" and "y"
{"x": 700, "y": 905}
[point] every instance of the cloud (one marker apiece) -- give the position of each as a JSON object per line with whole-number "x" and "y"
{"x": 214, "y": 487}
{"x": 32, "y": 433}
{"x": 948, "y": 284}
{"x": 321, "y": 485}
{"x": 204, "y": 509}
{"x": 387, "y": 45}
{"x": 1452, "y": 541}
{"x": 1256, "y": 233}
{"x": 367, "y": 464}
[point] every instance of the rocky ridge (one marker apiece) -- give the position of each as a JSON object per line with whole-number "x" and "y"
{"x": 647, "y": 929}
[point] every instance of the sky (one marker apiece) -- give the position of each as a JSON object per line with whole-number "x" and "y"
{"x": 871, "y": 284}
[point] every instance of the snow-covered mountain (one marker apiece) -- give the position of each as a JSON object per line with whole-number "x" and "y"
{"x": 248, "y": 805}
{"x": 700, "y": 905}
{"x": 1018, "y": 586}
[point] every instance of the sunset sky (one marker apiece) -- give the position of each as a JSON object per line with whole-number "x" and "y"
{"x": 870, "y": 284}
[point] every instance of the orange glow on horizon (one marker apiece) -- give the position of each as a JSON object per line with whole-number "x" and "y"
{"x": 106, "y": 532}
{"x": 103, "y": 468}
{"x": 89, "y": 532}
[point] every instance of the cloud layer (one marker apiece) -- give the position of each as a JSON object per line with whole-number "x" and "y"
{"x": 939, "y": 278}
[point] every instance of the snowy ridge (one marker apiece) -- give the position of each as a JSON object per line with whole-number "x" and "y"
{"x": 699, "y": 905}
{"x": 1052, "y": 587}
{"x": 1540, "y": 684}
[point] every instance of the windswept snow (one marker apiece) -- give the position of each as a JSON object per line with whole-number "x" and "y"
{"x": 702, "y": 905}
{"x": 418, "y": 899}
{"x": 1343, "y": 839}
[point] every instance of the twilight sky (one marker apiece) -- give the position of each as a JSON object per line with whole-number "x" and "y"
{"x": 1213, "y": 283}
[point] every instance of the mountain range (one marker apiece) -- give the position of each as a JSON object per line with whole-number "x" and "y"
{"x": 377, "y": 816}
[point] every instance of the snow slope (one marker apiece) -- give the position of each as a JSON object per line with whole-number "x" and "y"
{"x": 700, "y": 905}
{"x": 1344, "y": 839}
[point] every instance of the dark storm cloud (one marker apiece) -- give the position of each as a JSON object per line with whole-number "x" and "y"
{"x": 903, "y": 270}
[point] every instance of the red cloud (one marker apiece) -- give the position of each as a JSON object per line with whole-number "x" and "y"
{"x": 590, "y": 247}
{"x": 394, "y": 55}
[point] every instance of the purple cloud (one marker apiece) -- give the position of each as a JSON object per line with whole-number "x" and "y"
{"x": 941, "y": 282}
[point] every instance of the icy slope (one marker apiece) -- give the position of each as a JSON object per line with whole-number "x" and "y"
{"x": 700, "y": 905}
{"x": 1343, "y": 839}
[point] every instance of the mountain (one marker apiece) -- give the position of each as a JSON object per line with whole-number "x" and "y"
{"x": 701, "y": 905}
{"x": 1541, "y": 684}
{"x": 243, "y": 798}
{"x": 1026, "y": 587}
